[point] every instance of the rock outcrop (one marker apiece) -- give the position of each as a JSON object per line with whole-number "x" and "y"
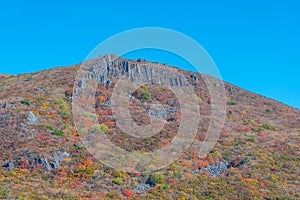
{"x": 112, "y": 67}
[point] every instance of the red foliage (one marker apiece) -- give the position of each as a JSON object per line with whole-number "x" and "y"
{"x": 128, "y": 193}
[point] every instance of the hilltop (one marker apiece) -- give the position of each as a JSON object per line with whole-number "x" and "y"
{"x": 42, "y": 155}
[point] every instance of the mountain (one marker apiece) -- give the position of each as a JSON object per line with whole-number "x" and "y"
{"x": 46, "y": 149}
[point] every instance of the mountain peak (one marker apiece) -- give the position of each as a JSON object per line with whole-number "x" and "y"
{"x": 44, "y": 155}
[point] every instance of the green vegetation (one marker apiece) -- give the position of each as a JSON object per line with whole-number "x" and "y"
{"x": 117, "y": 181}
{"x": 163, "y": 187}
{"x": 157, "y": 178}
{"x": 177, "y": 174}
{"x": 58, "y": 133}
{"x": 103, "y": 127}
{"x": 268, "y": 110}
{"x": 4, "y": 193}
{"x": 254, "y": 156}
{"x": 139, "y": 107}
{"x": 232, "y": 103}
{"x": 79, "y": 148}
{"x": 252, "y": 139}
{"x": 269, "y": 127}
{"x": 244, "y": 161}
{"x": 249, "y": 121}
{"x": 85, "y": 172}
{"x": 215, "y": 154}
{"x": 264, "y": 127}
{"x": 259, "y": 129}
{"x": 65, "y": 113}
{"x": 53, "y": 184}
{"x": 50, "y": 128}
{"x": 25, "y": 102}
{"x": 118, "y": 174}
{"x": 63, "y": 108}
{"x": 146, "y": 96}
{"x": 67, "y": 126}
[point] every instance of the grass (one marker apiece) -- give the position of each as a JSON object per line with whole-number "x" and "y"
{"x": 63, "y": 108}
{"x": 264, "y": 127}
{"x": 249, "y": 121}
{"x": 259, "y": 129}
{"x": 6, "y": 82}
{"x": 269, "y": 127}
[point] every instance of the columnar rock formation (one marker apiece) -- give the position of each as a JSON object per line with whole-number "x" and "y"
{"x": 112, "y": 67}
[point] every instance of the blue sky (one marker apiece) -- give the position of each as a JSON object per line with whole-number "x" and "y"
{"x": 255, "y": 44}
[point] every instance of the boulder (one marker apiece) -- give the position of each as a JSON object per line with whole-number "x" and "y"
{"x": 10, "y": 165}
{"x": 5, "y": 105}
{"x": 61, "y": 156}
{"x": 217, "y": 169}
{"x": 32, "y": 118}
{"x": 41, "y": 89}
{"x": 142, "y": 187}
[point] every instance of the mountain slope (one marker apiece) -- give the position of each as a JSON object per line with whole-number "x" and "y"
{"x": 42, "y": 157}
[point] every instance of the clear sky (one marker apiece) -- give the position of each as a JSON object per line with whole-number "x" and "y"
{"x": 255, "y": 44}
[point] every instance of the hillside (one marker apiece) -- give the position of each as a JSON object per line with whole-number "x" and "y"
{"x": 43, "y": 157}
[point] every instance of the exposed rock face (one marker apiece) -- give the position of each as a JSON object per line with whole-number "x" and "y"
{"x": 112, "y": 67}
{"x": 55, "y": 163}
{"x": 44, "y": 163}
{"x": 32, "y": 119}
{"x": 81, "y": 82}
